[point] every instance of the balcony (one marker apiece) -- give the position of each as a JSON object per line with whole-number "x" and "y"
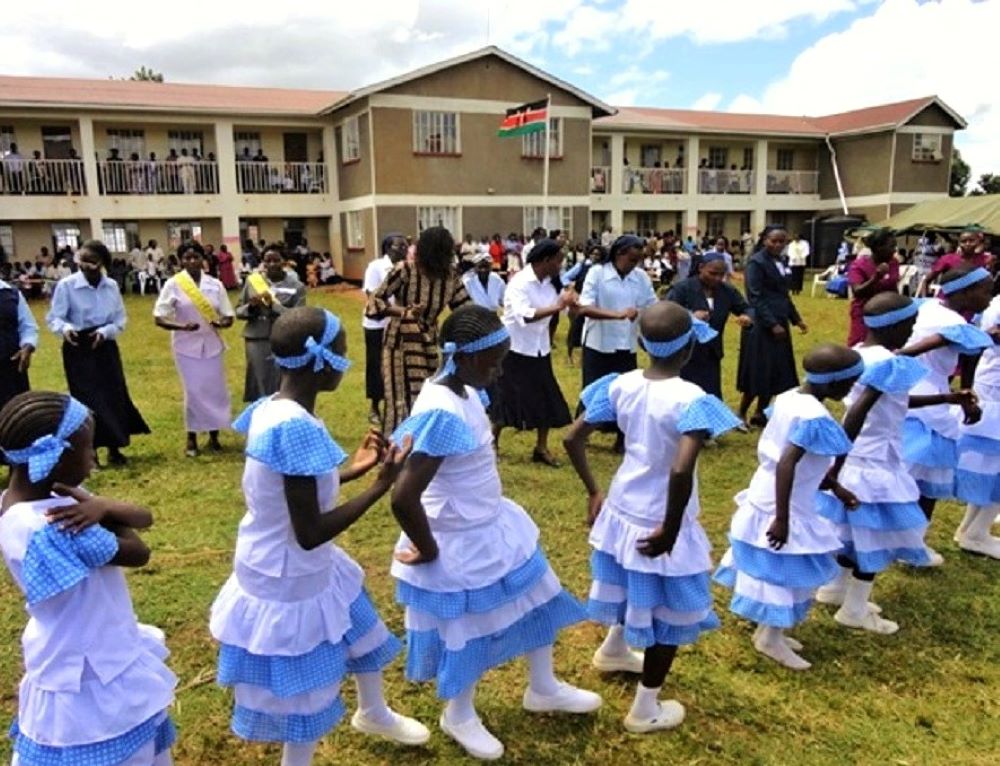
{"x": 53, "y": 177}
{"x": 653, "y": 180}
{"x": 600, "y": 179}
{"x": 158, "y": 177}
{"x": 711, "y": 181}
{"x": 792, "y": 182}
{"x": 281, "y": 177}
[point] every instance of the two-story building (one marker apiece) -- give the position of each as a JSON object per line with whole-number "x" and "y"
{"x": 133, "y": 161}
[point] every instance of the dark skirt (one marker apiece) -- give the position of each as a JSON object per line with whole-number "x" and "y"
{"x": 527, "y": 395}
{"x": 574, "y": 338}
{"x": 263, "y": 376}
{"x": 798, "y": 277}
{"x": 12, "y": 382}
{"x": 704, "y": 369}
{"x": 767, "y": 364}
{"x": 374, "y": 387}
{"x": 596, "y": 365}
{"x": 96, "y": 378}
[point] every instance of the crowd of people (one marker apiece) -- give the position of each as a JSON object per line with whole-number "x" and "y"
{"x": 830, "y": 505}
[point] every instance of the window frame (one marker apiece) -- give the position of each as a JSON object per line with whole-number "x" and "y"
{"x": 125, "y": 233}
{"x": 127, "y": 141}
{"x": 8, "y": 136}
{"x": 748, "y": 157}
{"x": 919, "y": 153}
{"x": 350, "y": 141}
{"x": 431, "y": 214}
{"x": 640, "y": 219}
{"x": 713, "y": 152}
{"x": 246, "y": 138}
{"x": 63, "y": 232}
{"x": 421, "y": 147}
{"x": 715, "y": 225}
{"x": 7, "y": 239}
{"x": 176, "y": 226}
{"x": 784, "y": 154}
{"x": 533, "y": 216}
{"x": 532, "y": 147}
{"x": 354, "y": 229}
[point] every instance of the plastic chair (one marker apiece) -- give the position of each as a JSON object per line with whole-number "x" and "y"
{"x": 822, "y": 278}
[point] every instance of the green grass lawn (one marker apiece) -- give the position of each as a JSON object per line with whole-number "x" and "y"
{"x": 927, "y": 695}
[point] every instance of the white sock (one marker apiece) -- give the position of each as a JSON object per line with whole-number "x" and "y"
{"x": 371, "y": 699}
{"x": 614, "y": 643}
{"x": 856, "y": 597}
{"x": 297, "y": 753}
{"x": 461, "y": 708}
{"x": 980, "y": 525}
{"x": 839, "y": 583}
{"x": 543, "y": 678}
{"x": 645, "y": 704}
{"x": 163, "y": 759}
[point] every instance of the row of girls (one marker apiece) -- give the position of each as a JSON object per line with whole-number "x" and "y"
{"x": 294, "y": 617}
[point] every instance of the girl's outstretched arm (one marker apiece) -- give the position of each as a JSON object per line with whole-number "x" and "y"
{"x": 575, "y": 443}
{"x": 93, "y": 509}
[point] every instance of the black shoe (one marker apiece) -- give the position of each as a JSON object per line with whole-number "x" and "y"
{"x": 115, "y": 457}
{"x": 545, "y": 458}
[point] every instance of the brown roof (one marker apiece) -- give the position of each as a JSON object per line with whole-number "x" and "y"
{"x": 884, "y": 117}
{"x": 57, "y": 91}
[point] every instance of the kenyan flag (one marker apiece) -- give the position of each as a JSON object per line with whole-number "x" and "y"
{"x": 524, "y": 119}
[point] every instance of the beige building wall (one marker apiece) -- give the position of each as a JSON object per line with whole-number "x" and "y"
{"x": 921, "y": 176}
{"x": 155, "y": 137}
{"x": 28, "y": 132}
{"x": 863, "y": 162}
{"x": 732, "y": 222}
{"x": 479, "y": 221}
{"x": 669, "y": 149}
{"x": 804, "y": 156}
{"x": 355, "y": 176}
{"x": 397, "y": 218}
{"x": 356, "y": 259}
{"x": 31, "y": 236}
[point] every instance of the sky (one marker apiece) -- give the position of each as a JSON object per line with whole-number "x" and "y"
{"x": 797, "y": 57}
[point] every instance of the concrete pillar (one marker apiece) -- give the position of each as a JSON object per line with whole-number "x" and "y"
{"x": 225, "y": 154}
{"x": 333, "y": 190}
{"x": 691, "y": 166}
{"x": 616, "y": 184}
{"x": 96, "y": 226}
{"x": 88, "y": 153}
{"x": 760, "y": 169}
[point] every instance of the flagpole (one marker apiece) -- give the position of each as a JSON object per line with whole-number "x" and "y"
{"x": 545, "y": 167}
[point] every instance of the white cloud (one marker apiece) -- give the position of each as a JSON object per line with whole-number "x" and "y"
{"x": 633, "y": 75}
{"x": 625, "y": 97}
{"x": 586, "y": 29}
{"x": 903, "y": 49}
{"x": 708, "y": 102}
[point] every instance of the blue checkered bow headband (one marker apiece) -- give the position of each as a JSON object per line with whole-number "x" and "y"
{"x": 890, "y": 318}
{"x": 317, "y": 351}
{"x": 701, "y": 331}
{"x": 973, "y": 277}
{"x": 854, "y": 371}
{"x": 44, "y": 452}
{"x": 449, "y": 349}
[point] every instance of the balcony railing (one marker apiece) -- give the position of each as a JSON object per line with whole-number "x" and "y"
{"x": 281, "y": 177}
{"x": 158, "y": 177}
{"x": 20, "y": 176}
{"x": 653, "y": 180}
{"x": 600, "y": 179}
{"x": 711, "y": 181}
{"x": 792, "y": 182}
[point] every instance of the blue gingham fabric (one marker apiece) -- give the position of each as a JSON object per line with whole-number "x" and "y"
{"x": 966, "y": 339}
{"x": 364, "y": 619}
{"x": 820, "y": 436}
{"x": 296, "y": 447}
{"x": 788, "y": 570}
{"x": 484, "y": 397}
{"x": 257, "y": 726}
{"x": 242, "y": 422}
{"x": 597, "y": 402}
{"x": 56, "y": 561}
{"x": 437, "y": 433}
{"x": 925, "y": 446}
{"x": 283, "y": 676}
{"x": 707, "y": 413}
{"x": 893, "y": 376}
{"x": 107, "y": 752}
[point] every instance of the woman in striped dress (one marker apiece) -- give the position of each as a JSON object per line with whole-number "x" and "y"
{"x": 421, "y": 292}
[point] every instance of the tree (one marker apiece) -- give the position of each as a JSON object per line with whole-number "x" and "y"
{"x": 960, "y": 172}
{"x": 146, "y": 75}
{"x": 989, "y": 183}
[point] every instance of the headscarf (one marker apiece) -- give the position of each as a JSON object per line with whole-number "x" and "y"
{"x": 624, "y": 242}
{"x": 387, "y": 241}
{"x": 544, "y": 248}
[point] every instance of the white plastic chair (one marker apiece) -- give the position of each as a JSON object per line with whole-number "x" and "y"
{"x": 822, "y": 278}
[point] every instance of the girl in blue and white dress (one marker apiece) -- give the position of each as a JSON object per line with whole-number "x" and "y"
{"x": 940, "y": 336}
{"x": 651, "y": 562}
{"x": 781, "y": 549}
{"x": 476, "y": 585}
{"x": 977, "y": 480}
{"x": 294, "y": 617}
{"x": 887, "y": 524}
{"x": 95, "y": 690}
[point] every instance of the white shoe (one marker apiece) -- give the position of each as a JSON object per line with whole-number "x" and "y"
{"x": 794, "y": 645}
{"x": 474, "y": 738}
{"x": 780, "y": 652}
{"x": 567, "y": 699}
{"x": 669, "y": 715}
{"x": 989, "y": 546}
{"x": 405, "y": 731}
{"x": 630, "y": 662}
{"x": 832, "y": 594}
{"x": 975, "y": 537}
{"x": 936, "y": 559}
{"x": 869, "y": 621}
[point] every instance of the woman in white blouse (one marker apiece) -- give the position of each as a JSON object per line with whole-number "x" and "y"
{"x": 528, "y": 396}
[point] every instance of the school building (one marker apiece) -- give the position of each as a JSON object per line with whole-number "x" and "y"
{"x": 132, "y": 161}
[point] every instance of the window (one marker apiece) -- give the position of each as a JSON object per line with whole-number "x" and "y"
{"x": 716, "y": 224}
{"x": 192, "y": 140}
{"x": 180, "y": 231}
{"x": 355, "y": 230}
{"x": 558, "y": 218}
{"x": 120, "y": 236}
{"x": 926, "y": 147}
{"x": 777, "y": 219}
{"x": 533, "y": 144}
{"x": 718, "y": 157}
{"x": 66, "y": 235}
{"x": 744, "y": 223}
{"x": 436, "y": 133}
{"x": 645, "y": 221}
{"x": 350, "y": 140}
{"x": 6, "y": 139}
{"x": 244, "y": 140}
{"x": 127, "y": 141}
{"x": 438, "y": 216}
{"x": 786, "y": 159}
{"x": 7, "y": 240}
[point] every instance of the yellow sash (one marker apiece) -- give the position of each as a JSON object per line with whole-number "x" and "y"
{"x": 259, "y": 284}
{"x": 196, "y": 296}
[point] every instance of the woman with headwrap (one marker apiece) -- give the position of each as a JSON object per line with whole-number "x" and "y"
{"x": 613, "y": 295}
{"x": 484, "y": 287}
{"x": 527, "y": 394}
{"x": 711, "y": 299}
{"x": 869, "y": 275}
{"x": 393, "y": 251}
{"x": 767, "y": 361}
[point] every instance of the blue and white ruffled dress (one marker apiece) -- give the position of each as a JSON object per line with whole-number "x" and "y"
{"x": 977, "y": 479}
{"x": 490, "y": 596}
{"x": 291, "y": 622}
{"x": 930, "y": 434}
{"x": 776, "y": 587}
{"x": 95, "y": 690}
{"x": 888, "y": 525}
{"x": 666, "y": 599}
